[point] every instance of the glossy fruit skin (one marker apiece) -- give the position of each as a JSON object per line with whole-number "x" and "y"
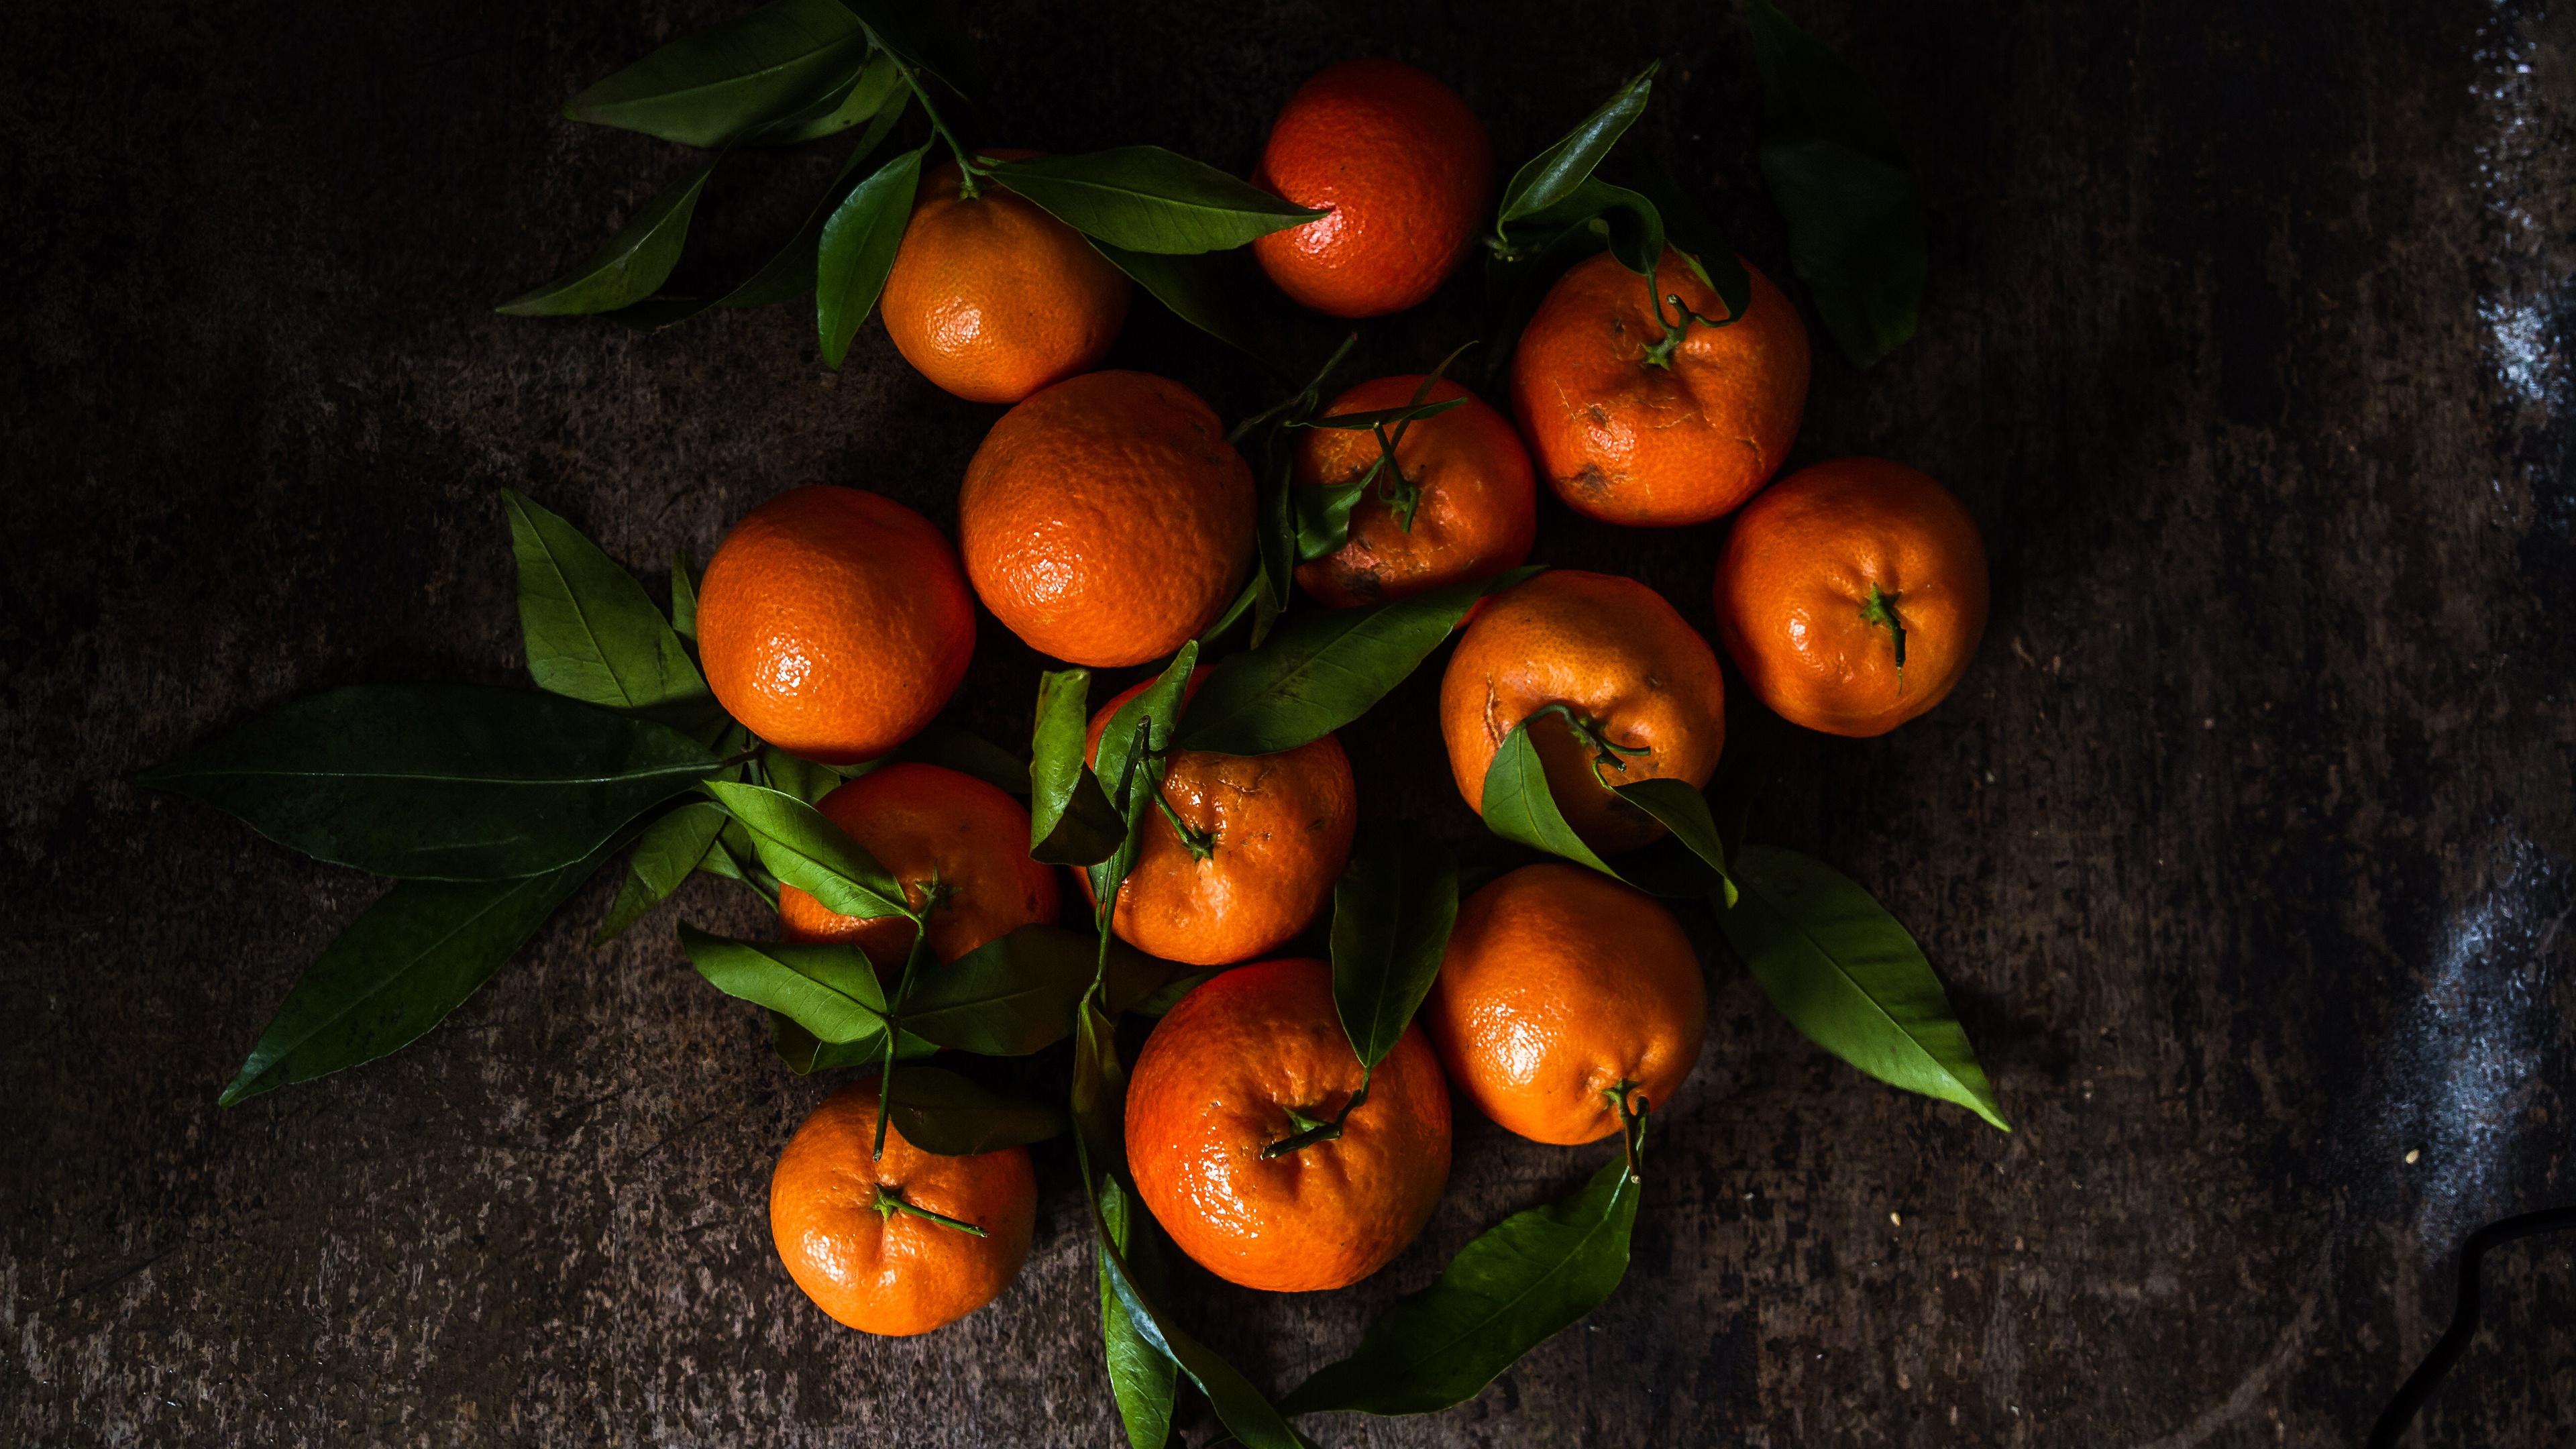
{"x": 895, "y": 1275}
{"x": 1618, "y": 655}
{"x": 1106, "y": 520}
{"x": 1478, "y": 510}
{"x": 1404, "y": 168}
{"x": 1793, "y": 587}
{"x": 1625, "y": 441}
{"x": 926, "y": 824}
{"x": 1560, "y": 983}
{"x": 992, "y": 298}
{"x": 1282, "y": 827}
{"x": 1213, "y": 1087}
{"x": 834, "y": 623}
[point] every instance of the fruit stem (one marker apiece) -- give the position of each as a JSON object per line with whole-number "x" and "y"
{"x": 967, "y": 170}
{"x": 894, "y": 1033}
{"x": 1660, "y": 352}
{"x": 1310, "y": 1131}
{"x": 1592, "y": 732}
{"x": 1201, "y": 843}
{"x": 1881, "y": 609}
{"x": 1632, "y": 1121}
{"x": 890, "y": 1201}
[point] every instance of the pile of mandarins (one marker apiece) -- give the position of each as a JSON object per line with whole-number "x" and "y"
{"x": 1106, "y": 520}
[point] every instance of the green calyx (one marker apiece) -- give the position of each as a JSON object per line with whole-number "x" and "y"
{"x": 1881, "y": 610}
{"x": 1605, "y": 750}
{"x": 1311, "y": 1130}
{"x": 889, "y": 1201}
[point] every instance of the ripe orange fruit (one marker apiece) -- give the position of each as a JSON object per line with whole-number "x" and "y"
{"x": 1475, "y": 515}
{"x": 1403, "y": 167}
{"x": 1627, "y": 440}
{"x": 1852, "y": 594}
{"x": 833, "y": 623}
{"x": 1107, "y": 520}
{"x": 1249, "y": 1059}
{"x": 1276, "y": 832}
{"x": 1559, "y": 986}
{"x": 955, "y": 843}
{"x": 1618, "y": 674}
{"x": 869, "y": 1263}
{"x": 992, "y": 298}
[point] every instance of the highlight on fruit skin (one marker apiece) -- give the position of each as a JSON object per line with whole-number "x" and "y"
{"x": 992, "y": 298}
{"x": 1405, "y": 172}
{"x": 958, "y": 845}
{"x": 904, "y": 1244}
{"x": 834, "y": 623}
{"x": 1246, "y": 1061}
{"x": 1853, "y": 595}
{"x": 1639, "y": 413}
{"x": 1106, "y": 520}
{"x": 1460, "y": 502}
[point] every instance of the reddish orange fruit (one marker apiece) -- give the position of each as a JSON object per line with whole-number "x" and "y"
{"x": 1270, "y": 835}
{"x": 1247, "y": 1060}
{"x": 841, "y": 1227}
{"x": 958, "y": 845}
{"x": 834, "y": 623}
{"x": 1852, "y": 594}
{"x": 1610, "y": 670}
{"x": 1106, "y": 521}
{"x": 992, "y": 298}
{"x": 1628, "y": 429}
{"x": 1562, "y": 990}
{"x": 1474, "y": 502}
{"x": 1403, "y": 168}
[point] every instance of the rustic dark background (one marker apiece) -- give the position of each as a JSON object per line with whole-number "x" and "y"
{"x": 2245, "y": 848}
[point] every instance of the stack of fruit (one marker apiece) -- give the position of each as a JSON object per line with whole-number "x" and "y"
{"x": 1287, "y": 1122}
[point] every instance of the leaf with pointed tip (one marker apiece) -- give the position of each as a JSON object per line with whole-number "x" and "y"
{"x": 1392, "y": 910}
{"x": 1208, "y": 291}
{"x": 828, "y": 988}
{"x": 630, "y": 265}
{"x": 802, "y": 847}
{"x": 1071, "y": 821}
{"x": 592, "y": 632}
{"x": 664, "y": 855}
{"x": 684, "y": 596}
{"x": 1553, "y": 174}
{"x": 1519, "y": 805}
{"x": 874, "y": 90}
{"x": 1141, "y": 1376}
{"x": 857, "y": 250}
{"x": 1147, "y": 199}
{"x": 941, "y": 1112}
{"x": 711, "y": 85}
{"x": 1142, "y": 731}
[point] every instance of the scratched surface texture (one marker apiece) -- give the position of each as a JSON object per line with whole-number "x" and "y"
{"x": 2245, "y": 848}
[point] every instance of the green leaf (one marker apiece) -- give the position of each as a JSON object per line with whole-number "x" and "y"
{"x": 1141, "y": 1376}
{"x": 1279, "y": 533}
{"x": 875, "y": 91}
{"x": 804, "y": 1054}
{"x": 1377, "y": 417}
{"x": 711, "y": 85}
{"x": 1324, "y": 518}
{"x": 632, "y": 264}
{"x": 829, "y": 989}
{"x": 954, "y": 748}
{"x": 1833, "y": 163}
{"x": 798, "y": 776}
{"x": 1849, "y": 976}
{"x": 1520, "y": 806}
{"x": 1553, "y": 174}
{"x": 1322, "y": 669}
{"x": 1392, "y": 910}
{"x": 1517, "y": 283}
{"x": 1142, "y": 731}
{"x": 1701, "y": 241}
{"x": 1168, "y": 995}
{"x": 857, "y": 250}
{"x": 398, "y": 970}
{"x": 439, "y": 782}
{"x": 923, "y": 37}
{"x": 668, "y": 850}
{"x": 803, "y": 848}
{"x": 941, "y": 1112}
{"x": 1009, "y": 997}
{"x": 1147, "y": 199}
{"x": 684, "y": 596}
{"x": 1207, "y": 291}
{"x": 1071, "y": 821}
{"x": 593, "y": 634}
{"x": 1513, "y": 1288}
{"x": 1684, "y": 813}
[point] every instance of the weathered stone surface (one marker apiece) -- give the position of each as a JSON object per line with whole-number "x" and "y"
{"x": 2246, "y": 847}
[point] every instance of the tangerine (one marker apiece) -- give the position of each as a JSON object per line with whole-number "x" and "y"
{"x": 959, "y": 846}
{"x": 1253, "y": 1057}
{"x": 834, "y": 623}
{"x": 1463, "y": 505}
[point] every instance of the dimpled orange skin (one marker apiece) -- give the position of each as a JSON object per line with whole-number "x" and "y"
{"x": 1618, "y": 655}
{"x": 1405, "y": 171}
{"x": 1478, "y": 511}
{"x": 1560, "y": 983}
{"x": 896, "y": 1275}
{"x": 1282, "y": 825}
{"x": 1795, "y": 578}
{"x": 834, "y": 623}
{"x": 1107, "y": 520}
{"x": 991, "y": 298}
{"x": 927, "y": 824}
{"x": 1213, "y": 1087}
{"x": 1625, "y": 441}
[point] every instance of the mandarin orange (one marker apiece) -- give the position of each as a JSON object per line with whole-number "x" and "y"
{"x": 958, "y": 845}
{"x": 1473, "y": 500}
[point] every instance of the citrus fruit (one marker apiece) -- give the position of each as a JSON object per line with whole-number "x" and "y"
{"x": 833, "y": 623}
{"x": 1106, "y": 520}
{"x": 1852, "y": 594}
{"x": 991, "y": 298}
{"x": 842, "y": 1226}
{"x": 1610, "y": 678}
{"x": 958, "y": 845}
{"x": 1402, "y": 167}
{"x": 1269, "y": 834}
{"x": 1465, "y": 479}
{"x": 1626, "y": 438}
{"x": 1562, "y": 989}
{"x": 1249, "y": 1059}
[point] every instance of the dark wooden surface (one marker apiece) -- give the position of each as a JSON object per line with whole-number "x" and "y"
{"x": 2245, "y": 847}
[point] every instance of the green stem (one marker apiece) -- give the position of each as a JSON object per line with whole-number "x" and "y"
{"x": 1606, "y": 751}
{"x": 1310, "y": 1131}
{"x": 1881, "y": 609}
{"x": 890, "y": 1201}
{"x": 967, "y": 171}
{"x": 1632, "y": 1122}
{"x": 1659, "y": 353}
{"x": 1201, "y": 843}
{"x": 894, "y": 1032}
